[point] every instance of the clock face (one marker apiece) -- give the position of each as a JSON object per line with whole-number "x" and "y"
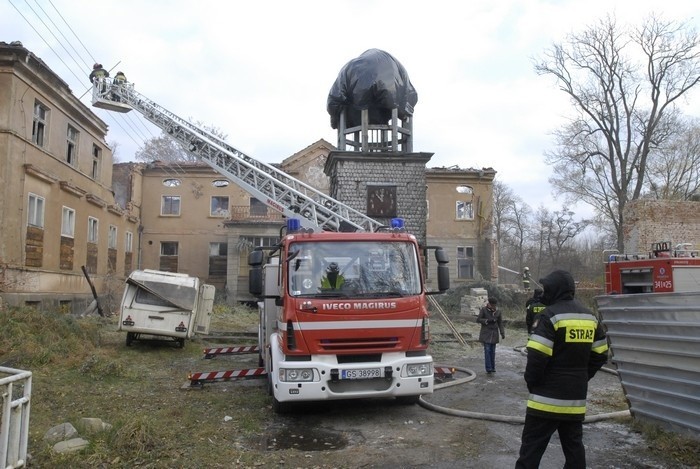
{"x": 381, "y": 201}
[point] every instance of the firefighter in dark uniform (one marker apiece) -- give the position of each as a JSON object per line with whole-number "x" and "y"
{"x": 567, "y": 347}
{"x": 99, "y": 74}
{"x": 333, "y": 278}
{"x": 533, "y": 307}
{"x": 119, "y": 80}
{"x": 526, "y": 278}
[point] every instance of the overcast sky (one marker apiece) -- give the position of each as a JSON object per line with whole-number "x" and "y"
{"x": 260, "y": 71}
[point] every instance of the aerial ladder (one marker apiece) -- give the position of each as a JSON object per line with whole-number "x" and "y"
{"x": 271, "y": 186}
{"x": 294, "y": 199}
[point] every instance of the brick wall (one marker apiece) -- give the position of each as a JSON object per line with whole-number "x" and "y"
{"x": 351, "y": 172}
{"x": 650, "y": 221}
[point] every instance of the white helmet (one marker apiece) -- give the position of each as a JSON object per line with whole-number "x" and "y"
{"x": 526, "y": 268}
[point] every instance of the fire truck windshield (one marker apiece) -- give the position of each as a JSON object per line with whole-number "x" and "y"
{"x": 361, "y": 269}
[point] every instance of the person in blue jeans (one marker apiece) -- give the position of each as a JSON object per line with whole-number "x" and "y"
{"x": 491, "y": 327}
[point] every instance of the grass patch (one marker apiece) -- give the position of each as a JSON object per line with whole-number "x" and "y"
{"x": 30, "y": 338}
{"x": 683, "y": 449}
{"x": 81, "y": 367}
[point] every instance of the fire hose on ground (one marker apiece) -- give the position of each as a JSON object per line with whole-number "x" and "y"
{"x": 471, "y": 375}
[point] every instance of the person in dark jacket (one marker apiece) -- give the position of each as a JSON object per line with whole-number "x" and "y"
{"x": 119, "y": 80}
{"x": 491, "y": 325}
{"x": 533, "y": 307}
{"x": 98, "y": 75}
{"x": 565, "y": 350}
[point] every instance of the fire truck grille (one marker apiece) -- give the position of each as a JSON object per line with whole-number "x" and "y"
{"x": 374, "y": 343}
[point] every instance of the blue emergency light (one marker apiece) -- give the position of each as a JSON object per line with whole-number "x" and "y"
{"x": 293, "y": 224}
{"x": 397, "y": 223}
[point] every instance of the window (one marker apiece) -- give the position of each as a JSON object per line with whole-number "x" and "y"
{"x": 96, "y": 161}
{"x": 93, "y": 229}
{"x": 220, "y": 183}
{"x": 465, "y": 262}
{"x": 168, "y": 256}
{"x": 129, "y": 242}
{"x": 112, "y": 237}
{"x": 39, "y": 124}
{"x": 168, "y": 248}
{"x": 68, "y": 222}
{"x": 218, "y": 249}
{"x": 170, "y": 205}
{"x": 35, "y": 211}
{"x": 171, "y": 182}
{"x": 465, "y": 190}
{"x": 217, "y": 259}
{"x": 72, "y": 146}
{"x": 219, "y": 206}
{"x": 465, "y": 210}
{"x": 257, "y": 208}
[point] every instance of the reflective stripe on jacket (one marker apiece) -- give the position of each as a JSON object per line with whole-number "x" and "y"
{"x": 565, "y": 350}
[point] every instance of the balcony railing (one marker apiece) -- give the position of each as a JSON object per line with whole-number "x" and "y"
{"x": 245, "y": 213}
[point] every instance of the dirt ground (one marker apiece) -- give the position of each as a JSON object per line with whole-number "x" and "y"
{"x": 385, "y": 434}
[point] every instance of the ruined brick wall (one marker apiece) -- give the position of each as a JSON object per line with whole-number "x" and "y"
{"x": 650, "y": 221}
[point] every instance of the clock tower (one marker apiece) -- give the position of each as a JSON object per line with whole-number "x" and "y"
{"x": 381, "y": 178}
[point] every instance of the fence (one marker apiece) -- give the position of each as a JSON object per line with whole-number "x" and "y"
{"x": 16, "y": 390}
{"x": 654, "y": 341}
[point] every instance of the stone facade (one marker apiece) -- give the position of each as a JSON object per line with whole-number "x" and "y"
{"x": 650, "y": 221}
{"x": 460, "y": 214}
{"x": 355, "y": 176}
{"x": 58, "y": 212}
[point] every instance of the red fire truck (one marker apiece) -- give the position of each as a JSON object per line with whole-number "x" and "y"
{"x": 345, "y": 315}
{"x": 665, "y": 268}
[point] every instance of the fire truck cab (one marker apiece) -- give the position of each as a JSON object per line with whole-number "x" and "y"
{"x": 665, "y": 268}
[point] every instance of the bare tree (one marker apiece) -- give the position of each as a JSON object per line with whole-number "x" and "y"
{"x": 504, "y": 201}
{"x": 521, "y": 222}
{"x": 560, "y": 230}
{"x": 621, "y": 107}
{"x": 674, "y": 172}
{"x": 114, "y": 146}
{"x": 164, "y": 148}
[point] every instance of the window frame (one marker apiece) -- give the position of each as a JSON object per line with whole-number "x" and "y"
{"x": 256, "y": 208}
{"x": 112, "y": 237}
{"x": 93, "y": 228}
{"x": 219, "y": 212}
{"x": 219, "y": 245}
{"x": 40, "y": 124}
{"x": 466, "y": 211}
{"x": 163, "y": 205}
{"x": 72, "y": 146}
{"x": 128, "y": 241}
{"x": 96, "y": 161}
{"x": 176, "y": 244}
{"x": 69, "y": 220}
{"x": 464, "y": 260}
{"x": 36, "y": 210}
